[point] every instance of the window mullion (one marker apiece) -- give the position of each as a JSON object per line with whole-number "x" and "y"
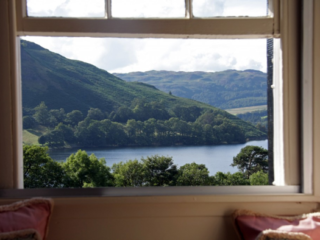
{"x": 307, "y": 97}
{"x": 108, "y": 11}
{"x": 188, "y": 8}
{"x": 274, "y": 12}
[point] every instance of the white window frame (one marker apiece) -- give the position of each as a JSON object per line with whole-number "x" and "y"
{"x": 283, "y": 18}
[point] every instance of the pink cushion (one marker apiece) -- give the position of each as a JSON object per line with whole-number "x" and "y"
{"x": 27, "y": 234}
{"x": 251, "y": 224}
{"x": 28, "y": 214}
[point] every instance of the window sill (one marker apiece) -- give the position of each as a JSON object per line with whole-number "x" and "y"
{"x": 150, "y": 191}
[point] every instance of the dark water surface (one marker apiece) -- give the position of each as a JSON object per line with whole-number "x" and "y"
{"x": 216, "y": 158}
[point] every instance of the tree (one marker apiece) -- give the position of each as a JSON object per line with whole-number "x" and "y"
{"x": 87, "y": 171}
{"x": 115, "y": 134}
{"x": 42, "y": 114}
{"x": 189, "y": 114}
{"x": 123, "y": 114}
{"x": 231, "y": 133}
{"x": 95, "y": 136}
{"x": 228, "y": 179}
{"x": 251, "y": 159}
{"x": 40, "y": 171}
{"x": 261, "y": 127}
{"x": 53, "y": 138}
{"x": 66, "y": 131}
{"x": 74, "y": 117}
{"x": 95, "y": 114}
{"x": 193, "y": 174}
{"x": 131, "y": 128}
{"x": 42, "y": 140}
{"x": 128, "y": 174}
{"x": 259, "y": 178}
{"x": 58, "y": 114}
{"x": 28, "y": 122}
{"x": 159, "y": 171}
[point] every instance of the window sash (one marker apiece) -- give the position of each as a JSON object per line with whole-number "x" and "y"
{"x": 226, "y": 27}
{"x": 187, "y": 28}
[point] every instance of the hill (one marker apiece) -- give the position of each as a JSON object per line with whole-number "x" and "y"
{"x": 71, "y": 84}
{"x": 74, "y": 85}
{"x": 225, "y": 90}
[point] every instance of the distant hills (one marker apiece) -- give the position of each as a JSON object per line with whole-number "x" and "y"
{"x": 71, "y": 84}
{"x": 225, "y": 90}
{"x": 75, "y": 85}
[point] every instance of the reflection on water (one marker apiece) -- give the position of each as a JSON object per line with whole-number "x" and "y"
{"x": 216, "y": 158}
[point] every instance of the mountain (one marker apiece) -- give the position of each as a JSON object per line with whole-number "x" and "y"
{"x": 75, "y": 85}
{"x": 225, "y": 90}
{"x": 71, "y": 84}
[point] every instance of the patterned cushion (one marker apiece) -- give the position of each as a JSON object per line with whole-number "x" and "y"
{"x": 257, "y": 226}
{"x": 31, "y": 214}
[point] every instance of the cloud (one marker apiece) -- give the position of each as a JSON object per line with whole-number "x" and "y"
{"x": 252, "y": 64}
{"x": 117, "y": 53}
{"x": 208, "y": 8}
{"x": 213, "y": 8}
{"x": 128, "y": 55}
{"x": 148, "y": 8}
{"x": 66, "y": 8}
{"x": 240, "y": 8}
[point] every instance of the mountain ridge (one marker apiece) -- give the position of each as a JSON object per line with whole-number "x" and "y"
{"x": 225, "y": 89}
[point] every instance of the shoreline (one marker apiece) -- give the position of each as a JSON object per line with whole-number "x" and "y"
{"x": 147, "y": 146}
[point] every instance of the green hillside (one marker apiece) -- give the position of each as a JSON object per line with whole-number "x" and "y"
{"x": 225, "y": 90}
{"x": 71, "y": 84}
{"x": 74, "y": 85}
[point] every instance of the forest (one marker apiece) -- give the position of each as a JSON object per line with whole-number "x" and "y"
{"x": 81, "y": 170}
{"x": 143, "y": 124}
{"x": 256, "y": 118}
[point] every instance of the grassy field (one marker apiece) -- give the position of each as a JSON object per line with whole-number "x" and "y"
{"x": 236, "y": 111}
{"x": 30, "y": 136}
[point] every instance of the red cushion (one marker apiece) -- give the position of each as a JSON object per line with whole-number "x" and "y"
{"x": 28, "y": 214}
{"x": 251, "y": 224}
{"x": 27, "y": 234}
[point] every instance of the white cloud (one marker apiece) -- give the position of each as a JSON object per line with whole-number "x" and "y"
{"x": 214, "y": 8}
{"x": 66, "y": 8}
{"x": 245, "y": 8}
{"x": 148, "y": 8}
{"x": 127, "y": 55}
{"x": 208, "y": 8}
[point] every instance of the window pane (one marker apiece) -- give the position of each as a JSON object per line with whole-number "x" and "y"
{"x": 148, "y": 8}
{"x": 229, "y": 8}
{"x": 192, "y": 104}
{"x": 66, "y": 8}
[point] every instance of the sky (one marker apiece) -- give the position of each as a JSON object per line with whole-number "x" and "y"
{"x": 130, "y": 55}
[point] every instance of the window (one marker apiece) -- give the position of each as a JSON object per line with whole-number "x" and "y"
{"x": 164, "y": 124}
{"x": 202, "y": 28}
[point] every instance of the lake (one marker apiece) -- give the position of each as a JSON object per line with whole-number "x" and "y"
{"x": 216, "y": 158}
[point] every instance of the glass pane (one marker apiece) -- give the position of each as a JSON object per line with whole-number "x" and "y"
{"x": 66, "y": 8}
{"x": 148, "y": 8}
{"x": 190, "y": 104}
{"x": 229, "y": 8}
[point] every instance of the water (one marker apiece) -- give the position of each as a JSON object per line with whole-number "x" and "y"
{"x": 216, "y": 158}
